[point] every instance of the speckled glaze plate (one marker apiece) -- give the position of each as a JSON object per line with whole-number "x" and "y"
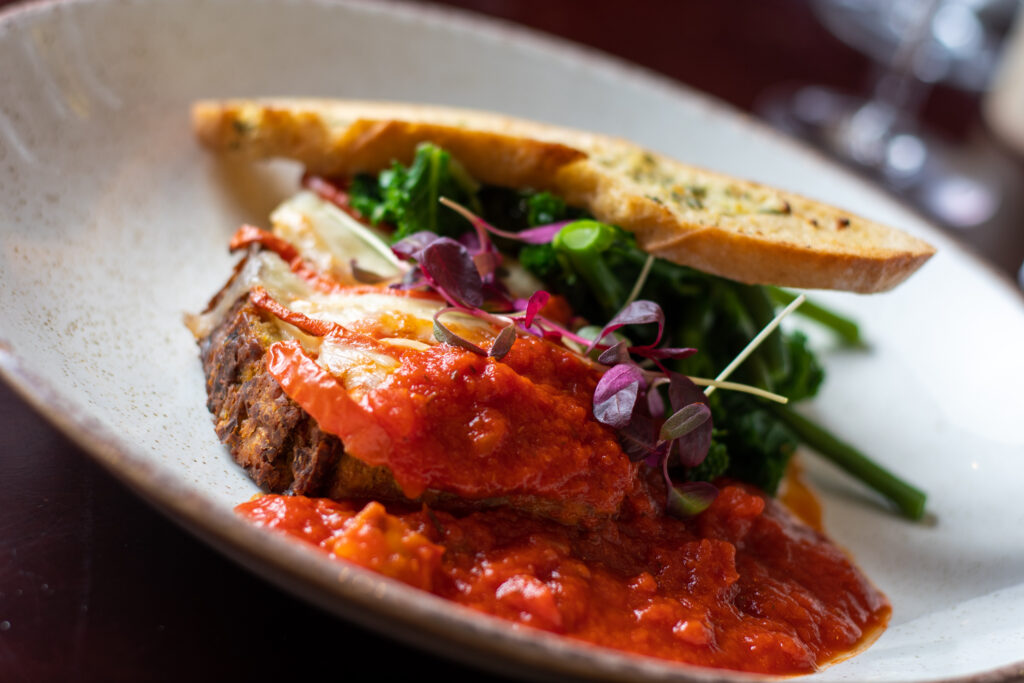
{"x": 114, "y": 223}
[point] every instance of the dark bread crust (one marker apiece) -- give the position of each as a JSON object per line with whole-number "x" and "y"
{"x": 284, "y": 450}
{"x": 279, "y": 444}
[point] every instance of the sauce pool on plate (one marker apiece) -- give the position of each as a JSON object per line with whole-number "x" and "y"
{"x": 743, "y": 585}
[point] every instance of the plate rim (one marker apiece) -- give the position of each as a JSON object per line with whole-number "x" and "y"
{"x": 308, "y": 575}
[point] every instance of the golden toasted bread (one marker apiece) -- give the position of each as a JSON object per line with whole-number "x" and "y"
{"x": 717, "y": 224}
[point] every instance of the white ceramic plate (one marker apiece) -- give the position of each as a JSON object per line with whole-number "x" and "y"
{"x": 114, "y": 223}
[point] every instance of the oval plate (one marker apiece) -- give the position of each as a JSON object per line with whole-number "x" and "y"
{"x": 115, "y": 224}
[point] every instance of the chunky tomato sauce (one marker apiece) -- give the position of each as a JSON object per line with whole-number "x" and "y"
{"x": 453, "y": 421}
{"x": 481, "y": 428}
{"x": 741, "y": 586}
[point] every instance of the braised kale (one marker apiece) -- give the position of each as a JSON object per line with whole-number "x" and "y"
{"x": 407, "y": 197}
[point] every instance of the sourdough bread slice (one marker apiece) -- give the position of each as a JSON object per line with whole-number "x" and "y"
{"x": 717, "y": 224}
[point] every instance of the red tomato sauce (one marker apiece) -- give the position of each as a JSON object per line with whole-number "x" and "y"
{"x": 741, "y": 586}
{"x": 453, "y": 421}
{"x": 479, "y": 428}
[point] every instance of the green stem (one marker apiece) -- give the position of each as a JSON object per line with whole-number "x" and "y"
{"x": 844, "y": 327}
{"x": 761, "y": 311}
{"x": 909, "y": 499}
{"x": 583, "y": 243}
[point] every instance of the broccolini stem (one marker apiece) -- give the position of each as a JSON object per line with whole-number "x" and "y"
{"x": 761, "y": 311}
{"x": 844, "y": 327}
{"x": 583, "y": 243}
{"x": 909, "y": 499}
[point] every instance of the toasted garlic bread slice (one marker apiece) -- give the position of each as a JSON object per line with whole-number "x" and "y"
{"x": 717, "y": 224}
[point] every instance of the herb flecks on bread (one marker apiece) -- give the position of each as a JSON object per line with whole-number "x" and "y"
{"x": 717, "y": 224}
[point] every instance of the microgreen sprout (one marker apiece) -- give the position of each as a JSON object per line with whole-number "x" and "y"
{"x": 756, "y": 341}
{"x": 602, "y": 272}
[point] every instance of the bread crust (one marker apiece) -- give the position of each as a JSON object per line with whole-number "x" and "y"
{"x": 717, "y": 224}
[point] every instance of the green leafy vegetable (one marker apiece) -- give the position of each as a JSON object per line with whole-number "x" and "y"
{"x": 595, "y": 267}
{"x": 408, "y": 198}
{"x": 543, "y": 208}
{"x": 715, "y": 464}
{"x": 805, "y": 373}
{"x": 847, "y": 330}
{"x": 759, "y": 444}
{"x": 541, "y": 260}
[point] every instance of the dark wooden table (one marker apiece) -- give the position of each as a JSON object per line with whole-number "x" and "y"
{"x": 96, "y": 586}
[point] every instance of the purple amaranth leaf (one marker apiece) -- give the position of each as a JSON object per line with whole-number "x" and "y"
{"x": 682, "y": 391}
{"x": 616, "y": 354}
{"x": 655, "y": 404}
{"x": 446, "y": 336}
{"x": 502, "y": 344}
{"x": 616, "y": 395}
{"x": 538, "y": 300}
{"x": 449, "y": 268}
{"x": 685, "y": 420}
{"x": 411, "y": 246}
{"x": 663, "y": 352}
{"x": 542, "y": 234}
{"x": 413, "y": 279}
{"x": 637, "y": 313}
{"x": 693, "y": 446}
{"x": 639, "y": 440}
{"x": 690, "y": 499}
{"x": 471, "y": 241}
{"x": 486, "y": 263}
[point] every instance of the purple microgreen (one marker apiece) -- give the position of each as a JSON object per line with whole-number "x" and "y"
{"x": 542, "y": 234}
{"x": 663, "y": 352}
{"x": 693, "y": 446}
{"x": 366, "y": 277}
{"x": 654, "y": 458}
{"x": 639, "y": 440}
{"x": 616, "y": 394}
{"x": 486, "y": 263}
{"x": 641, "y": 280}
{"x": 756, "y": 341}
{"x": 410, "y": 247}
{"x": 553, "y": 335}
{"x": 450, "y": 270}
{"x": 479, "y": 224}
{"x": 655, "y": 404}
{"x": 413, "y": 279}
{"x": 556, "y": 332}
{"x": 637, "y": 313}
{"x": 690, "y": 499}
{"x": 683, "y": 421}
{"x": 538, "y": 300}
{"x": 446, "y": 336}
{"x": 682, "y": 391}
{"x": 502, "y": 344}
{"x": 471, "y": 241}
{"x": 618, "y": 353}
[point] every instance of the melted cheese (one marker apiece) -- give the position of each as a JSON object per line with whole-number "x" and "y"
{"x": 331, "y": 239}
{"x": 328, "y": 238}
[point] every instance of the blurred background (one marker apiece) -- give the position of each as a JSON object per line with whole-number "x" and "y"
{"x": 914, "y": 94}
{"x": 925, "y": 97}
